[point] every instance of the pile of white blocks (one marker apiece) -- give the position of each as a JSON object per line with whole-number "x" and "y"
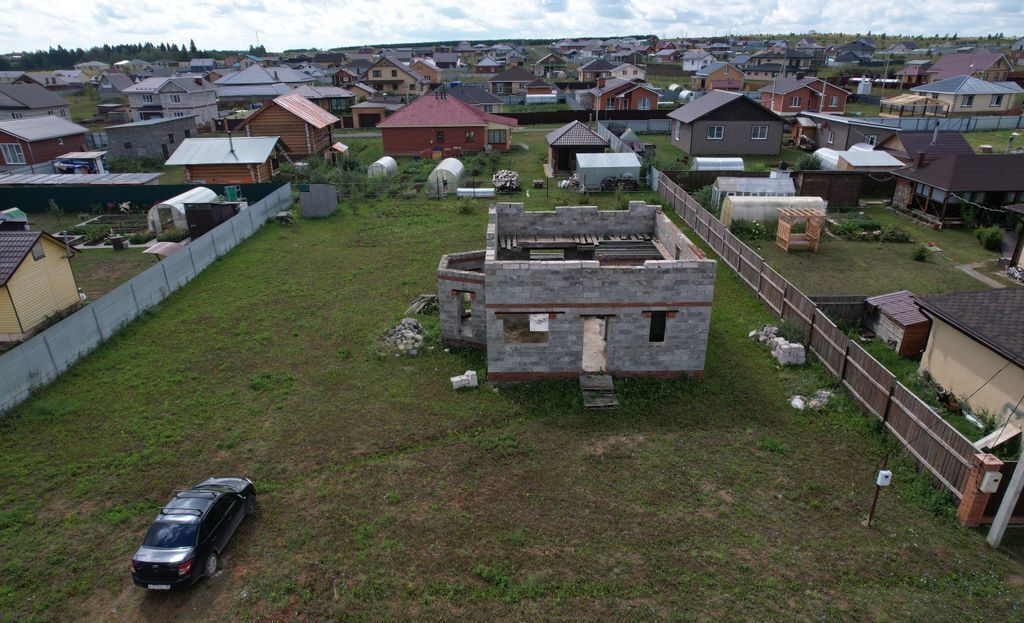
{"x": 467, "y": 379}
{"x": 787, "y": 353}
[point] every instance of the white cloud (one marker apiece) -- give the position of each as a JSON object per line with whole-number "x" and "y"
{"x": 233, "y": 24}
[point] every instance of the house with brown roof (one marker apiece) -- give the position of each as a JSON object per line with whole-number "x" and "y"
{"x": 36, "y": 282}
{"x": 303, "y": 127}
{"x": 722, "y": 123}
{"x": 569, "y": 140}
{"x": 392, "y": 76}
{"x": 615, "y": 94}
{"x": 838, "y": 132}
{"x": 913, "y": 73}
{"x": 437, "y": 122}
{"x": 989, "y": 66}
{"x": 939, "y": 189}
{"x": 719, "y": 76}
{"x": 511, "y": 82}
{"x": 905, "y": 146}
{"x": 477, "y": 97}
{"x": 426, "y": 68}
{"x": 790, "y": 96}
{"x": 975, "y": 349}
{"x": 22, "y": 101}
{"x": 595, "y": 69}
{"x": 549, "y": 66}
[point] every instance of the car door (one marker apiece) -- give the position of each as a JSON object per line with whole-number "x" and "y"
{"x": 225, "y": 508}
{"x": 208, "y": 531}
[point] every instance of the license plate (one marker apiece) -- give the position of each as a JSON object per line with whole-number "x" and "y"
{"x": 159, "y": 587}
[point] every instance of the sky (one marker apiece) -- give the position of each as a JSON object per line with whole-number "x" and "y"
{"x": 294, "y": 24}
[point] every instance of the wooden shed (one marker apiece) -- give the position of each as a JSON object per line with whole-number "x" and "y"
{"x": 896, "y": 319}
{"x": 567, "y": 141}
{"x": 302, "y": 126}
{"x": 36, "y": 282}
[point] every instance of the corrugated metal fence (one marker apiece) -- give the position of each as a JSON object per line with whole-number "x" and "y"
{"x": 937, "y": 446}
{"x": 42, "y": 358}
{"x": 954, "y": 124}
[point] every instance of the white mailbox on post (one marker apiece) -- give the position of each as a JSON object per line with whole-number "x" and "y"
{"x": 990, "y": 482}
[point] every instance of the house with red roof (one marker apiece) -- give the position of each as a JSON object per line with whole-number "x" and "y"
{"x": 304, "y": 127}
{"x": 438, "y": 122}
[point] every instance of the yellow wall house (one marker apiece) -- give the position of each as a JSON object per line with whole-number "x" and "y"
{"x": 35, "y": 281}
{"x": 976, "y": 349}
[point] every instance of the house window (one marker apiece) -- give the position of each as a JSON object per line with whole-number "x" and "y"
{"x": 997, "y": 100}
{"x": 657, "y": 333}
{"x": 833, "y": 102}
{"x": 645, "y": 103}
{"x": 127, "y": 145}
{"x": 488, "y": 107}
{"x": 13, "y": 154}
{"x": 394, "y": 73}
{"x": 60, "y": 141}
{"x": 147, "y": 98}
{"x": 871, "y": 139}
{"x": 470, "y": 136}
{"x": 376, "y": 73}
{"x": 439, "y": 136}
{"x": 175, "y": 98}
{"x": 37, "y": 251}
{"x": 525, "y": 328}
{"x": 830, "y": 137}
{"x": 795, "y": 101}
{"x": 496, "y": 137}
{"x": 609, "y": 103}
{"x": 759, "y": 133}
{"x": 967, "y": 101}
{"x": 716, "y": 132}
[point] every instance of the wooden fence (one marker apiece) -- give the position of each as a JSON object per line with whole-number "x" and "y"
{"x": 934, "y": 444}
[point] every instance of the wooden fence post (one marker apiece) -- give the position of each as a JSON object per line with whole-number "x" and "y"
{"x": 846, "y": 355}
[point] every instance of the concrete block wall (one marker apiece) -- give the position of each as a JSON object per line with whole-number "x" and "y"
{"x": 571, "y": 290}
{"x": 512, "y": 219}
{"x": 458, "y": 273}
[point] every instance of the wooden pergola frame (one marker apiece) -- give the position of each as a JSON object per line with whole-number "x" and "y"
{"x": 784, "y": 236}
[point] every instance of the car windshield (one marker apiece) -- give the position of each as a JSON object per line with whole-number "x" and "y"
{"x": 171, "y": 535}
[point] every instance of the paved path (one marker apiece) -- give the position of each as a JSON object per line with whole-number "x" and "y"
{"x": 970, "y": 270}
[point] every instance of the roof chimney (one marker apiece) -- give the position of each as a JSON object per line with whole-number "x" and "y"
{"x": 919, "y": 160}
{"x": 199, "y": 81}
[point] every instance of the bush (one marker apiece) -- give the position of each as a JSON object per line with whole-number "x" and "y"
{"x": 95, "y": 234}
{"x": 751, "y": 230}
{"x": 173, "y": 235}
{"x": 990, "y": 237}
{"x": 920, "y": 253}
{"x": 809, "y": 162}
{"x": 140, "y": 237}
{"x": 134, "y": 165}
{"x": 895, "y": 233}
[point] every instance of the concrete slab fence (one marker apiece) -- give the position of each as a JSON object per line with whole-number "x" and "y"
{"x": 45, "y": 356}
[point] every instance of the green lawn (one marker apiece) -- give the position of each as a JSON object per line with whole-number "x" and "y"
{"x": 386, "y": 495}
{"x": 996, "y": 138}
{"x": 98, "y": 271}
{"x": 849, "y": 267}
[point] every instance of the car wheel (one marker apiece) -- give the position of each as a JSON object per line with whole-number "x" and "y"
{"x": 250, "y": 505}
{"x": 211, "y": 565}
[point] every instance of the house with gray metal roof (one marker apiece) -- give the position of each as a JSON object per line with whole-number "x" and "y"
{"x": 155, "y": 138}
{"x": 173, "y": 97}
{"x": 21, "y": 101}
{"x": 967, "y": 95}
{"x": 38, "y": 140}
{"x": 242, "y": 160}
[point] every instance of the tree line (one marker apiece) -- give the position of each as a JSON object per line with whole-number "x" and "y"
{"x": 64, "y": 58}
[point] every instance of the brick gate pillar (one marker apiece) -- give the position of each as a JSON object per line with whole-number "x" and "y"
{"x": 972, "y": 505}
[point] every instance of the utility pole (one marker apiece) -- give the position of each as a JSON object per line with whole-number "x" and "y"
{"x": 1002, "y": 518}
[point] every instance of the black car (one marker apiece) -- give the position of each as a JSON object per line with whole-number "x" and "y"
{"x": 188, "y": 535}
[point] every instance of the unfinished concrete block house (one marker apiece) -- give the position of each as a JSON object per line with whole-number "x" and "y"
{"x": 579, "y": 291}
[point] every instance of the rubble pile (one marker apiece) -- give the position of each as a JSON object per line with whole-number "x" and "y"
{"x": 404, "y": 339}
{"x": 505, "y": 181}
{"x": 816, "y": 402}
{"x": 787, "y": 353}
{"x": 572, "y": 182}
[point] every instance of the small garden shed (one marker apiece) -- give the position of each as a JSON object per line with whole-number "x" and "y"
{"x": 567, "y": 141}
{"x": 898, "y": 321}
{"x": 445, "y": 178}
{"x": 593, "y": 168}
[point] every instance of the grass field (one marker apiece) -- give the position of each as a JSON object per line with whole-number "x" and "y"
{"x": 849, "y": 267}
{"x": 385, "y": 495}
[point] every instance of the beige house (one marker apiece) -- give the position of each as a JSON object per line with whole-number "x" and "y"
{"x": 36, "y": 282}
{"x": 976, "y": 349}
{"x": 627, "y": 71}
{"x": 967, "y": 95}
{"x": 393, "y": 77}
